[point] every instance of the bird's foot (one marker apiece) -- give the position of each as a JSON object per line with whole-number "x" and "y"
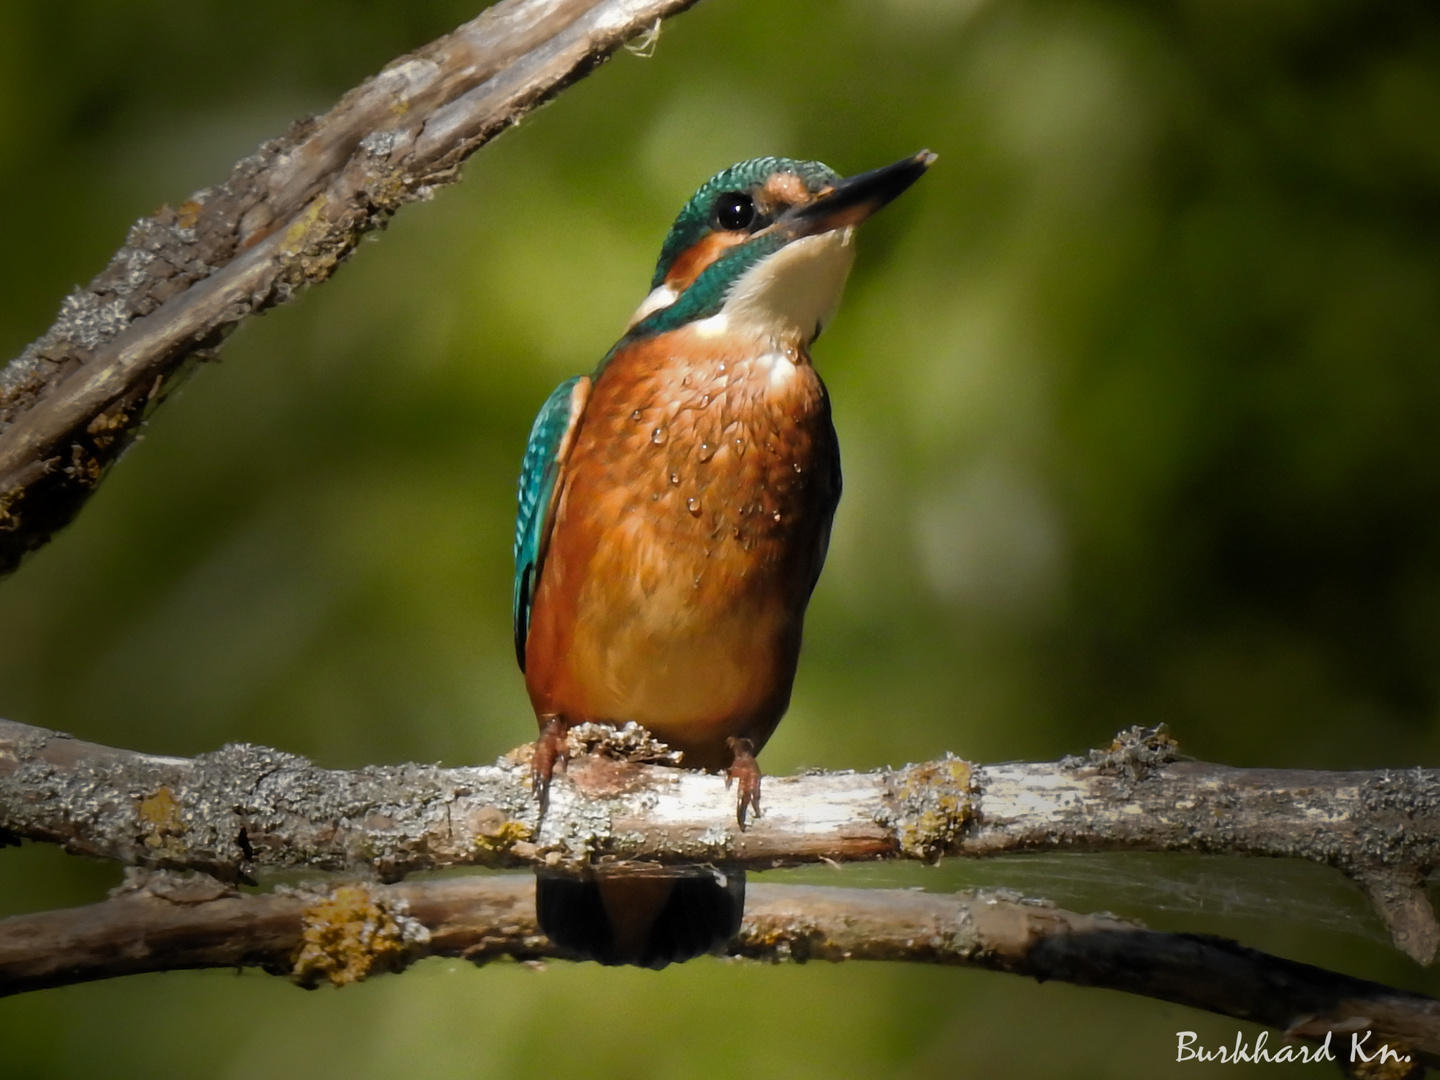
{"x": 549, "y": 749}
{"x": 746, "y": 770}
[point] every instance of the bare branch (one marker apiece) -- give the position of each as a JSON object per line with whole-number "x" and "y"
{"x": 286, "y": 217}
{"x": 165, "y": 922}
{"x": 245, "y": 808}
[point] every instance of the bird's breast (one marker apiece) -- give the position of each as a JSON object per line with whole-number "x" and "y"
{"x": 688, "y": 534}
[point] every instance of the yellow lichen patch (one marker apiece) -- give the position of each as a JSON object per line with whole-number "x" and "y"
{"x": 160, "y": 819}
{"x": 495, "y": 832}
{"x": 106, "y": 422}
{"x": 188, "y": 214}
{"x": 388, "y": 191}
{"x": 298, "y": 234}
{"x": 347, "y": 935}
{"x": 935, "y": 805}
{"x": 106, "y": 425}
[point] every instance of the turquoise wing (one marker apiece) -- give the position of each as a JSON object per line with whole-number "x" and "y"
{"x": 550, "y": 439}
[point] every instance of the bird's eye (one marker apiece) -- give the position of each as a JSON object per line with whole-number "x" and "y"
{"x": 734, "y": 210}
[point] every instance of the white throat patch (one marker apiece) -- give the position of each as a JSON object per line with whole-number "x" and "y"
{"x": 790, "y": 296}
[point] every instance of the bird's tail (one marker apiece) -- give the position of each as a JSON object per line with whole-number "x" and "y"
{"x": 649, "y": 921}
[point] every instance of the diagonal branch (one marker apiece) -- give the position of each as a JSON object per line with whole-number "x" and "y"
{"x": 287, "y": 216}
{"x": 245, "y": 809}
{"x": 166, "y": 922}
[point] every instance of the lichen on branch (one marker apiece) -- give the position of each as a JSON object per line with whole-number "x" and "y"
{"x": 246, "y": 809}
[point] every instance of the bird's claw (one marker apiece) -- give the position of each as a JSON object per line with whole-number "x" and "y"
{"x": 745, "y": 769}
{"x": 549, "y": 750}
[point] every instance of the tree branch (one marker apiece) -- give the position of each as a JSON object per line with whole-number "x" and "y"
{"x": 166, "y": 922}
{"x": 245, "y": 808}
{"x": 73, "y": 400}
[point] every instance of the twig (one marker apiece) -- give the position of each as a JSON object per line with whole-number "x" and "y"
{"x": 286, "y": 217}
{"x": 165, "y": 922}
{"x": 245, "y": 808}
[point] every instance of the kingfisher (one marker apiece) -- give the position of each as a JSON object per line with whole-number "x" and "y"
{"x": 674, "y": 513}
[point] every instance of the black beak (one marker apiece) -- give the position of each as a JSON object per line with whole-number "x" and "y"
{"x": 852, "y": 200}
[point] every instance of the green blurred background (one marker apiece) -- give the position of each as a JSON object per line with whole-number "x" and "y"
{"x": 1139, "y": 400}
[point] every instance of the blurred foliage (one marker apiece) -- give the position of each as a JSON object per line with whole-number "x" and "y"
{"x": 1138, "y": 394}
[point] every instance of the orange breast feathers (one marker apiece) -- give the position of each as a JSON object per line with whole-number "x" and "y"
{"x": 689, "y": 532}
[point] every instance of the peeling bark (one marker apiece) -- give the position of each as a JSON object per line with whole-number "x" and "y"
{"x": 286, "y": 217}
{"x": 245, "y": 809}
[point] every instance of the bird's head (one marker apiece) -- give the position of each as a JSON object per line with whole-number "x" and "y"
{"x": 764, "y": 247}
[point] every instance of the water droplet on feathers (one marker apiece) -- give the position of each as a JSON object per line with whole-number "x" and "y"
{"x": 693, "y": 505}
{"x": 706, "y": 451}
{"x": 658, "y": 436}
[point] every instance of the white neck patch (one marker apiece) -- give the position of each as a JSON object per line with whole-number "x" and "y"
{"x": 662, "y": 296}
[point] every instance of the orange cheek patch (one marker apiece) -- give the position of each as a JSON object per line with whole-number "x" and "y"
{"x": 698, "y": 256}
